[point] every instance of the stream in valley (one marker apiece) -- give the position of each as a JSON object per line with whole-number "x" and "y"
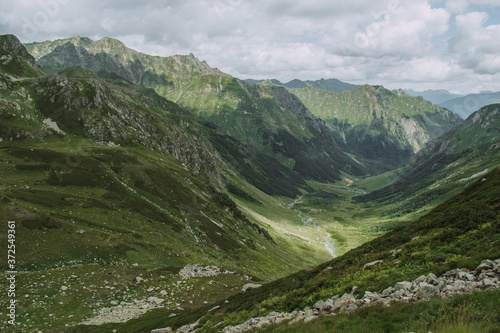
{"x": 309, "y": 221}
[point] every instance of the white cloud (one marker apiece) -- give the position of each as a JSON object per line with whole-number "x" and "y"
{"x": 382, "y": 42}
{"x": 477, "y": 47}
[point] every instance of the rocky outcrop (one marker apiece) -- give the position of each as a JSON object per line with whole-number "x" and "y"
{"x": 452, "y": 283}
{"x": 192, "y": 271}
{"x": 11, "y": 48}
{"x": 250, "y": 286}
{"x": 125, "y": 311}
{"x": 196, "y": 271}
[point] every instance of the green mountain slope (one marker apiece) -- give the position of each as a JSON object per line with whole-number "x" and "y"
{"x": 16, "y": 61}
{"x": 108, "y": 181}
{"x": 447, "y": 164}
{"x": 262, "y": 118}
{"x": 378, "y": 124}
{"x": 459, "y": 233}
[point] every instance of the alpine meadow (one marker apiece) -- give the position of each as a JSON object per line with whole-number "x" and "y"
{"x": 147, "y": 192}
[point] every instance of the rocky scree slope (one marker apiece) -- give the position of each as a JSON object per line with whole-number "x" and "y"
{"x": 452, "y": 283}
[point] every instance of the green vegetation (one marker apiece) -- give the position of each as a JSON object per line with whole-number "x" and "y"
{"x": 383, "y": 126}
{"x": 446, "y": 165}
{"x": 476, "y": 313}
{"x": 454, "y": 234}
{"x": 115, "y": 189}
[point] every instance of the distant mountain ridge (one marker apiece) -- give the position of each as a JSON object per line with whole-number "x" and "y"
{"x": 462, "y": 104}
{"x": 466, "y": 105}
{"x": 435, "y": 96}
{"x": 247, "y": 112}
{"x": 112, "y": 55}
{"x": 387, "y": 126}
{"x": 332, "y": 85}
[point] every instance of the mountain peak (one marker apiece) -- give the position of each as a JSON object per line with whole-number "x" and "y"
{"x": 16, "y": 60}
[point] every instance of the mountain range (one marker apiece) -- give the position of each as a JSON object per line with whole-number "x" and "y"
{"x": 158, "y": 191}
{"x": 463, "y": 105}
{"x": 266, "y": 117}
{"x": 332, "y": 85}
{"x": 386, "y": 126}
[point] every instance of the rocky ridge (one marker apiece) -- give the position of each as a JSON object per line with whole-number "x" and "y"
{"x": 452, "y": 283}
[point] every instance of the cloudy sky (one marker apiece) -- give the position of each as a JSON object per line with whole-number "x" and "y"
{"x": 419, "y": 44}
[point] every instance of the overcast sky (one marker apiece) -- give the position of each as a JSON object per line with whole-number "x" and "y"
{"x": 419, "y": 44}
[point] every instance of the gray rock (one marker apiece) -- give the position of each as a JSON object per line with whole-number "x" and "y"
{"x": 388, "y": 291}
{"x": 432, "y": 279}
{"x": 323, "y": 307}
{"x": 465, "y": 276}
{"x": 351, "y": 308}
{"x": 442, "y": 285}
{"x": 485, "y": 265}
{"x": 396, "y": 252}
{"x": 402, "y": 286}
{"x": 489, "y": 283}
{"x": 155, "y": 300}
{"x": 426, "y": 291}
{"x": 250, "y": 286}
{"x": 373, "y": 263}
{"x": 420, "y": 279}
{"x": 342, "y": 303}
{"x": 309, "y": 318}
{"x": 196, "y": 271}
{"x": 162, "y": 330}
{"x": 370, "y": 297}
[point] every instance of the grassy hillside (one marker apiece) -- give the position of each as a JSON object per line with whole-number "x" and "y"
{"x": 446, "y": 165}
{"x": 459, "y": 233}
{"x": 269, "y": 121}
{"x": 108, "y": 181}
{"x": 385, "y": 126}
{"x": 115, "y": 189}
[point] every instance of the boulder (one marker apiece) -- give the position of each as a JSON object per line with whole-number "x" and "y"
{"x": 155, "y": 300}
{"x": 370, "y": 297}
{"x": 432, "y": 279}
{"x": 309, "y": 318}
{"x": 487, "y": 283}
{"x": 373, "y": 263}
{"x": 162, "y": 330}
{"x": 250, "y": 286}
{"x": 426, "y": 291}
{"x": 323, "y": 307}
{"x": 420, "y": 279}
{"x": 342, "y": 303}
{"x": 405, "y": 285}
{"x": 485, "y": 265}
{"x": 388, "y": 291}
